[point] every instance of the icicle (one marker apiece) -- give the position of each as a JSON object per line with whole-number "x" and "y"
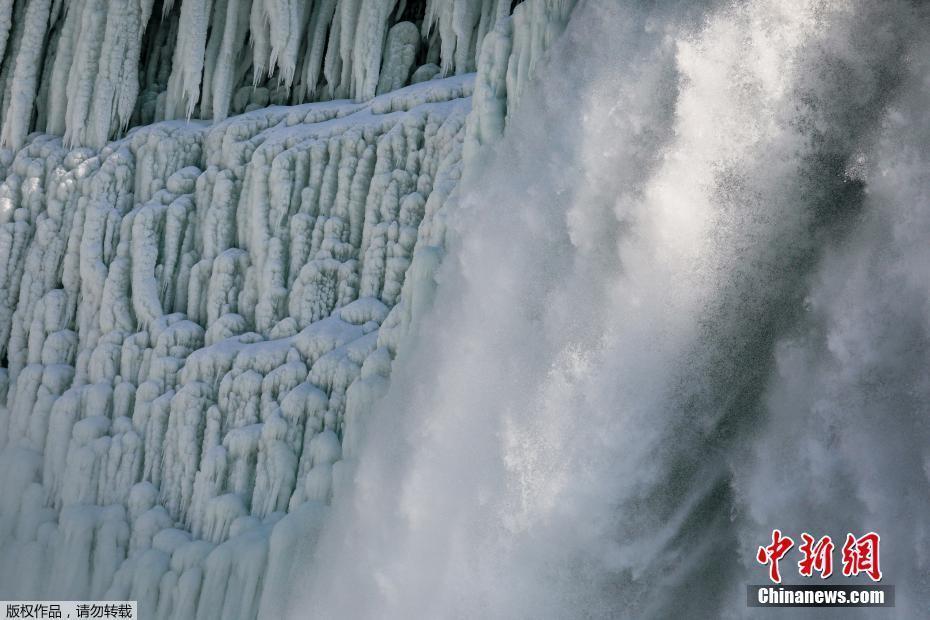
{"x": 320, "y": 20}
{"x": 261, "y": 45}
{"x": 465, "y": 17}
{"x": 369, "y": 46}
{"x": 187, "y": 68}
{"x": 287, "y": 21}
{"x": 212, "y": 53}
{"x": 84, "y": 70}
{"x": 351, "y": 13}
{"x": 58, "y": 83}
{"x": 6, "y": 23}
{"x": 117, "y": 81}
{"x": 234, "y": 33}
{"x": 25, "y": 77}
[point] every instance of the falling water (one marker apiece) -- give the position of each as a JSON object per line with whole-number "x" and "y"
{"x": 686, "y": 304}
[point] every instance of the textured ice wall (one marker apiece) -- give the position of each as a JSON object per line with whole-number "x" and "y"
{"x": 192, "y": 306}
{"x": 88, "y": 69}
{"x": 196, "y": 318}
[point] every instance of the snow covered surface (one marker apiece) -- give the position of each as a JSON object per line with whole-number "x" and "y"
{"x": 197, "y": 317}
{"x": 181, "y": 341}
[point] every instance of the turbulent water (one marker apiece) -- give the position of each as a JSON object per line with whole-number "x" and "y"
{"x": 686, "y": 304}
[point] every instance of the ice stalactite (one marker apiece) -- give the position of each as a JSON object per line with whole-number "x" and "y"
{"x": 220, "y": 85}
{"x": 25, "y": 77}
{"x": 6, "y": 23}
{"x": 187, "y": 67}
{"x": 89, "y": 69}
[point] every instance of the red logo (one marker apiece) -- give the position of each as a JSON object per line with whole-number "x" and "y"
{"x": 860, "y": 555}
{"x": 773, "y": 553}
{"x": 817, "y": 557}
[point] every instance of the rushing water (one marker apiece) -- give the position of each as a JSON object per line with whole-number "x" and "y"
{"x": 687, "y": 303}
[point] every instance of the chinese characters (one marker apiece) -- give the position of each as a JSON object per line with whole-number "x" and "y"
{"x": 859, "y": 555}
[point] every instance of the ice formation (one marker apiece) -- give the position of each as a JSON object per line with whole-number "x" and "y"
{"x": 89, "y": 69}
{"x": 393, "y": 301}
{"x": 197, "y": 316}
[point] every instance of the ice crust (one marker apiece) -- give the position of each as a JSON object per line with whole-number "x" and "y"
{"x": 196, "y": 318}
{"x": 90, "y": 69}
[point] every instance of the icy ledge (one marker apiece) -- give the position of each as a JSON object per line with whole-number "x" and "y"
{"x": 196, "y": 319}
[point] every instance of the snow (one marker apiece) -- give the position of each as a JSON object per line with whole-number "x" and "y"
{"x": 198, "y": 316}
{"x": 164, "y": 356}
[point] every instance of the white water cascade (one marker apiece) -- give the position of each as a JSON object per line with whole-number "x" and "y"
{"x": 687, "y": 304}
{"x": 460, "y": 308}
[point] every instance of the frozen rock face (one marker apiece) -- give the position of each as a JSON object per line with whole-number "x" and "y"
{"x": 185, "y": 312}
{"x": 89, "y": 69}
{"x": 196, "y": 318}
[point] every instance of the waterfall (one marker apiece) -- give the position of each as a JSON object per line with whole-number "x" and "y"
{"x": 370, "y": 309}
{"x": 685, "y": 303}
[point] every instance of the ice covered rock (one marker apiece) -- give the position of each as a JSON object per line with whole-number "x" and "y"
{"x": 196, "y": 318}
{"x": 89, "y": 69}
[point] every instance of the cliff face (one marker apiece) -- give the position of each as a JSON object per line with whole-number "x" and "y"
{"x": 89, "y": 69}
{"x": 196, "y": 316}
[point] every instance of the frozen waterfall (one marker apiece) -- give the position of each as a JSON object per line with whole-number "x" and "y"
{"x": 459, "y": 308}
{"x": 89, "y": 69}
{"x": 196, "y": 315}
